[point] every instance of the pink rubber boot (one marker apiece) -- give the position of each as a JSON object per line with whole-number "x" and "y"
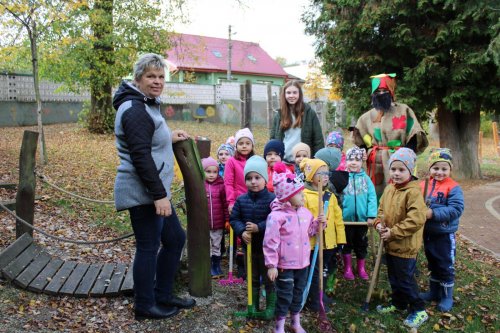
{"x": 279, "y": 326}
{"x": 348, "y": 275}
{"x": 296, "y": 327}
{"x": 361, "y": 269}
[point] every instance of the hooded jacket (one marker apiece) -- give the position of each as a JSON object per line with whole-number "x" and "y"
{"x": 144, "y": 144}
{"x": 334, "y": 232}
{"x": 446, "y": 200}
{"x": 403, "y": 209}
{"x": 217, "y": 205}
{"x": 286, "y": 241}
{"x": 360, "y": 199}
{"x": 234, "y": 178}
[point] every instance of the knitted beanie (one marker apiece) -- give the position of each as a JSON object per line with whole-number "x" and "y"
{"x": 256, "y": 164}
{"x": 227, "y": 147}
{"x": 301, "y": 146}
{"x": 405, "y": 155}
{"x": 275, "y": 145}
{"x": 243, "y": 133}
{"x": 440, "y": 155}
{"x": 286, "y": 184}
{"x": 310, "y": 166}
{"x": 355, "y": 153}
{"x": 331, "y": 156}
{"x": 208, "y": 162}
{"x": 335, "y": 138}
{"x": 231, "y": 141}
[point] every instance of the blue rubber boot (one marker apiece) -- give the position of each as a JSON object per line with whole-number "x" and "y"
{"x": 434, "y": 293}
{"x": 446, "y": 302}
{"x": 218, "y": 269}
{"x": 213, "y": 269}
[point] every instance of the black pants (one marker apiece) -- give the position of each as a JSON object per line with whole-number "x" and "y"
{"x": 401, "y": 273}
{"x": 313, "y": 298}
{"x": 356, "y": 240}
{"x": 259, "y": 271}
{"x": 290, "y": 286}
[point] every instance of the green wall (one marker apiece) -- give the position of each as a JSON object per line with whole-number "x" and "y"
{"x": 213, "y": 78}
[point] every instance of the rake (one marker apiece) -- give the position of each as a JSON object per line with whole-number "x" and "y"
{"x": 230, "y": 279}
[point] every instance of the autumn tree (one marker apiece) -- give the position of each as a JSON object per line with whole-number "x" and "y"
{"x": 445, "y": 54}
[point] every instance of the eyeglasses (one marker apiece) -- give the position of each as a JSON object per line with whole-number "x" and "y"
{"x": 323, "y": 173}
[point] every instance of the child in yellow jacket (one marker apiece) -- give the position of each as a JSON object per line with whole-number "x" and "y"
{"x": 316, "y": 175}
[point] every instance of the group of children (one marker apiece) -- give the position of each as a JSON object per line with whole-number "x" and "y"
{"x": 275, "y": 206}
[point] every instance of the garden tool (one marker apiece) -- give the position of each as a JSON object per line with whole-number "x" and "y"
{"x": 376, "y": 269}
{"x": 230, "y": 279}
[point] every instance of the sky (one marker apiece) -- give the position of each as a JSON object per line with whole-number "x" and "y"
{"x": 274, "y": 24}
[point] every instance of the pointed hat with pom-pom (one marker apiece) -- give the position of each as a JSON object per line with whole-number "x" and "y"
{"x": 285, "y": 183}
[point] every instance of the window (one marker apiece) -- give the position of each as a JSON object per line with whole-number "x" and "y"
{"x": 251, "y": 58}
{"x": 217, "y": 54}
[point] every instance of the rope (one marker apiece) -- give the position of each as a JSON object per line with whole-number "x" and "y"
{"x": 61, "y": 239}
{"x": 43, "y": 178}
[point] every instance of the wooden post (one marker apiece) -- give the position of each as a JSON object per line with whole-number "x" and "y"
{"x": 25, "y": 198}
{"x": 248, "y": 104}
{"x": 203, "y": 145}
{"x": 494, "y": 127}
{"x": 198, "y": 237}
{"x": 480, "y": 150}
{"x": 270, "y": 113}
{"x": 242, "y": 106}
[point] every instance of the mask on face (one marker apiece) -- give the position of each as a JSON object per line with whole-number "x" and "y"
{"x": 382, "y": 101}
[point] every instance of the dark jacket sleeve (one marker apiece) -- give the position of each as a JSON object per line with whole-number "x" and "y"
{"x": 317, "y": 133}
{"x": 273, "y": 132}
{"x": 452, "y": 211}
{"x": 235, "y": 219}
{"x": 139, "y": 129}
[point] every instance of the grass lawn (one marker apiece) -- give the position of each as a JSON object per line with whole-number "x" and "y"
{"x": 86, "y": 164}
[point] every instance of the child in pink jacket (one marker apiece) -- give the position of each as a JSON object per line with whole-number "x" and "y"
{"x": 286, "y": 245}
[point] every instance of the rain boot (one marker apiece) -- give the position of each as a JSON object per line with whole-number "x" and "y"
{"x": 213, "y": 270}
{"x": 217, "y": 265}
{"x": 446, "y": 302}
{"x": 348, "y": 275}
{"x": 279, "y": 326}
{"x": 361, "y": 269}
{"x": 240, "y": 262}
{"x": 270, "y": 305}
{"x": 296, "y": 327}
{"x": 434, "y": 293}
{"x": 331, "y": 281}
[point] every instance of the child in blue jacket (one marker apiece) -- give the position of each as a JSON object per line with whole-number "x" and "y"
{"x": 359, "y": 205}
{"x": 445, "y": 200}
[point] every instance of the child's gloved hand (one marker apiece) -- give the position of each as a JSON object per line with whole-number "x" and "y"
{"x": 272, "y": 274}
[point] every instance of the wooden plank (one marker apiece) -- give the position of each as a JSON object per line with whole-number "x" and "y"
{"x": 74, "y": 279}
{"x": 102, "y": 280}
{"x": 9, "y": 186}
{"x": 116, "y": 280}
{"x": 88, "y": 280}
{"x": 60, "y": 278}
{"x": 36, "y": 266}
{"x": 10, "y": 204}
{"x": 14, "y": 249}
{"x": 39, "y": 283}
{"x": 128, "y": 283}
{"x": 21, "y": 262}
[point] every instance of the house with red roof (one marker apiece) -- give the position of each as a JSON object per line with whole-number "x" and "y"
{"x": 204, "y": 60}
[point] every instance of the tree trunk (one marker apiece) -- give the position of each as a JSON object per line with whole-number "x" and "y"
{"x": 33, "y": 35}
{"x": 459, "y": 131}
{"x": 101, "y": 115}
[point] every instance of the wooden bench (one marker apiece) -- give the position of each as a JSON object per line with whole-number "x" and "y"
{"x": 30, "y": 267}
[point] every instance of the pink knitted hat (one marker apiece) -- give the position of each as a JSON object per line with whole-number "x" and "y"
{"x": 243, "y": 133}
{"x": 208, "y": 162}
{"x": 285, "y": 183}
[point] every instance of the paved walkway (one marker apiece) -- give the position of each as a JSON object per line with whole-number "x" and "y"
{"x": 480, "y": 222}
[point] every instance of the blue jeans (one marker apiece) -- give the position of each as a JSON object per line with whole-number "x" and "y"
{"x": 401, "y": 272}
{"x": 290, "y": 286}
{"x": 154, "y": 271}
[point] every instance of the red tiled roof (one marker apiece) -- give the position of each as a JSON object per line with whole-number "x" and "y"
{"x": 209, "y": 54}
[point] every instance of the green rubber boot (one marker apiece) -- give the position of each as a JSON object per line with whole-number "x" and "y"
{"x": 256, "y": 299}
{"x": 268, "y": 313}
{"x": 331, "y": 282}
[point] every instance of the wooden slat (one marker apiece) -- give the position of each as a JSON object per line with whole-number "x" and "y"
{"x": 88, "y": 280}
{"x": 39, "y": 283}
{"x": 60, "y": 278}
{"x": 9, "y": 186}
{"x": 116, "y": 280}
{"x": 36, "y": 266}
{"x": 74, "y": 279}
{"x": 128, "y": 282}
{"x": 10, "y": 204}
{"x": 102, "y": 280}
{"x": 16, "y": 266}
{"x": 14, "y": 249}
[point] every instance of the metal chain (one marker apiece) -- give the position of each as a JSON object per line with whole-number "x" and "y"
{"x": 61, "y": 239}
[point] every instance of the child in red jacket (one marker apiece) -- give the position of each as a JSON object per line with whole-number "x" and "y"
{"x": 218, "y": 213}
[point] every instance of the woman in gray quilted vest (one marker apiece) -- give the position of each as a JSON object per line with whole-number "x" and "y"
{"x": 142, "y": 186}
